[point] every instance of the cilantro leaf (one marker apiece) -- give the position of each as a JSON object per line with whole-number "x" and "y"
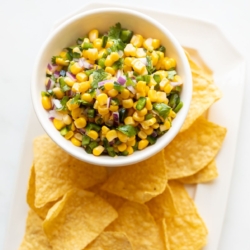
{"x": 162, "y": 109}
{"x": 114, "y": 31}
{"x": 98, "y": 76}
{"x": 150, "y": 67}
{"x": 171, "y": 74}
{"x": 128, "y": 130}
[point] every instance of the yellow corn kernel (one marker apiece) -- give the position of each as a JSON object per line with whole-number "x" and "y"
{"x": 138, "y": 118}
{"x": 147, "y": 44}
{"x": 93, "y": 34}
{"x": 101, "y": 52}
{"x": 141, "y": 87}
{"x": 168, "y": 88}
{"x": 58, "y": 124}
{"x": 169, "y": 63}
{"x": 91, "y": 78}
{"x": 127, "y": 103}
{"x": 155, "y": 126}
{"x": 61, "y": 61}
{"x": 156, "y": 43}
{"x": 78, "y": 136}
{"x": 177, "y": 78}
{"x": 149, "y": 105}
{"x": 70, "y": 82}
{"x": 125, "y": 94}
{"x": 113, "y": 108}
{"x": 98, "y": 150}
{"x": 69, "y": 135}
{"x": 76, "y": 113}
{"x": 81, "y": 77}
{"x": 75, "y": 68}
{"x": 130, "y": 50}
{"x": 122, "y": 147}
{"x": 152, "y": 95}
{"x": 67, "y": 119}
{"x": 103, "y": 110}
{"x": 129, "y": 121}
{"x": 122, "y": 137}
{"x": 148, "y": 131}
{"x": 72, "y": 106}
{"x": 86, "y": 97}
{"x": 58, "y": 92}
{"x": 92, "y": 134}
{"x": 150, "y": 122}
{"x": 114, "y": 56}
{"x": 102, "y": 99}
{"x": 93, "y": 54}
{"x": 131, "y": 143}
{"x": 130, "y": 150}
{"x": 97, "y": 43}
{"x": 108, "y": 61}
{"x": 105, "y": 130}
{"x": 142, "y": 135}
{"x": 161, "y": 96}
{"x": 84, "y": 86}
{"x": 72, "y": 126}
{"x": 126, "y": 68}
{"x": 112, "y": 93}
{"x": 143, "y": 144}
{"x": 128, "y": 61}
{"x": 76, "y": 142}
{"x": 172, "y": 114}
{"x": 80, "y": 122}
{"x": 63, "y": 54}
{"x": 85, "y": 53}
{"x": 46, "y": 102}
{"x": 163, "y": 83}
{"x": 111, "y": 135}
{"x": 109, "y": 44}
{"x": 109, "y": 85}
{"x": 154, "y": 58}
{"x": 110, "y": 70}
{"x": 140, "y": 53}
{"x": 138, "y": 66}
{"x": 137, "y": 40}
{"x": 142, "y": 112}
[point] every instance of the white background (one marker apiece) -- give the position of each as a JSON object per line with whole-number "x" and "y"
{"x": 25, "y": 24}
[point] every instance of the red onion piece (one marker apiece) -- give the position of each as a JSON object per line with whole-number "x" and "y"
{"x": 121, "y": 80}
{"x": 108, "y": 102}
{"x": 175, "y": 84}
{"x": 70, "y": 75}
{"x": 52, "y": 67}
{"x": 154, "y": 134}
{"x": 81, "y": 130}
{"x": 56, "y": 74}
{"x": 116, "y": 118}
{"x": 84, "y": 64}
{"x": 131, "y": 89}
{"x": 100, "y": 84}
{"x": 57, "y": 103}
{"x": 50, "y": 84}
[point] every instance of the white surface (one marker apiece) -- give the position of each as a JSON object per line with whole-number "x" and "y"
{"x": 25, "y": 25}
{"x": 75, "y": 27}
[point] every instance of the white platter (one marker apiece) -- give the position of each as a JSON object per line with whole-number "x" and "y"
{"x": 205, "y": 41}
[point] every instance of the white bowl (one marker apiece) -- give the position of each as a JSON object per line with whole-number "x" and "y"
{"x": 67, "y": 33}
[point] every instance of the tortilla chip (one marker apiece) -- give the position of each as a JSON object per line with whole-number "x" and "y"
{"x": 164, "y": 234}
{"x": 57, "y": 172}
{"x": 139, "y": 182}
{"x": 139, "y": 225}
{"x": 110, "y": 240}
{"x": 42, "y": 211}
{"x": 77, "y": 220}
{"x": 206, "y": 174}
{"x": 186, "y": 232}
{"x": 205, "y": 93}
{"x": 163, "y": 205}
{"x": 193, "y": 149}
{"x": 34, "y": 237}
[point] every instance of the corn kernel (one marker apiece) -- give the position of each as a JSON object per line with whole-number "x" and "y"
{"x": 93, "y": 34}
{"x": 80, "y": 122}
{"x": 138, "y": 118}
{"x": 72, "y": 126}
{"x": 163, "y": 127}
{"x": 122, "y": 137}
{"x": 75, "y": 68}
{"x": 111, "y": 135}
{"x": 63, "y": 54}
{"x": 156, "y": 43}
{"x": 61, "y": 61}
{"x": 86, "y": 97}
{"x": 67, "y": 119}
{"x": 141, "y": 87}
{"x": 155, "y": 126}
{"x": 138, "y": 66}
{"x": 72, "y": 106}
{"x": 76, "y": 142}
{"x": 93, "y": 54}
{"x": 84, "y": 86}
{"x": 110, "y": 70}
{"x": 76, "y": 113}
{"x": 112, "y": 93}
{"x": 152, "y": 95}
{"x": 114, "y": 56}
{"x": 69, "y": 135}
{"x": 69, "y": 81}
{"x": 109, "y": 44}
{"x": 149, "y": 105}
{"x": 78, "y": 136}
{"x": 142, "y": 135}
{"x": 105, "y": 130}
{"x": 92, "y": 134}
{"x": 58, "y": 92}
{"x": 172, "y": 114}
{"x": 137, "y": 40}
{"x": 108, "y": 61}
{"x": 154, "y": 58}
{"x": 142, "y": 112}
{"x": 126, "y": 68}
{"x": 108, "y": 85}
{"x": 101, "y": 53}
{"x": 113, "y": 108}
{"x": 130, "y": 150}
{"x": 127, "y": 103}
{"x": 177, "y": 78}
{"x": 168, "y": 88}
{"x": 58, "y": 124}
{"x": 97, "y": 43}
{"x": 129, "y": 121}
{"x": 148, "y": 131}
{"x": 98, "y": 150}
{"x": 122, "y": 147}
{"x": 103, "y": 110}
{"x": 46, "y": 102}
{"x": 147, "y": 44}
{"x": 129, "y": 50}
{"x": 102, "y": 99}
{"x": 128, "y": 61}
{"x": 163, "y": 83}
{"x": 161, "y": 96}
{"x": 85, "y": 53}
{"x": 131, "y": 143}
{"x": 142, "y": 144}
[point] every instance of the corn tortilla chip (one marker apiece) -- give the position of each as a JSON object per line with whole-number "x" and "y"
{"x": 139, "y": 225}
{"x": 193, "y": 149}
{"x": 205, "y": 93}
{"x": 77, "y": 220}
{"x": 42, "y": 211}
{"x": 110, "y": 240}
{"x": 163, "y": 205}
{"x": 57, "y": 172}
{"x": 139, "y": 182}
{"x": 206, "y": 174}
{"x": 34, "y": 237}
{"x": 186, "y": 232}
{"x": 163, "y": 232}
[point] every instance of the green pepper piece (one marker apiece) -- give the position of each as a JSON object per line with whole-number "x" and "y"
{"x": 91, "y": 113}
{"x": 87, "y": 45}
{"x": 141, "y": 103}
{"x": 118, "y": 87}
{"x": 152, "y": 140}
{"x": 104, "y": 41}
{"x": 148, "y": 116}
{"x": 89, "y": 72}
{"x": 105, "y": 142}
{"x": 162, "y": 49}
{"x": 93, "y": 144}
{"x": 124, "y": 153}
{"x": 178, "y": 107}
{"x": 111, "y": 151}
{"x": 146, "y": 78}
{"x": 126, "y": 35}
{"x": 64, "y": 131}
{"x": 174, "y": 100}
{"x": 88, "y": 150}
{"x": 157, "y": 78}
{"x": 135, "y": 147}
{"x": 101, "y": 62}
{"x": 162, "y": 109}
{"x": 115, "y": 102}
{"x": 128, "y": 130}
{"x": 85, "y": 140}
{"x": 93, "y": 126}
{"x": 122, "y": 114}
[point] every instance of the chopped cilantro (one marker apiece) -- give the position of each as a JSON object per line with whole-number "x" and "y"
{"x": 171, "y": 74}
{"x": 115, "y": 31}
{"x": 63, "y": 84}
{"x": 98, "y": 76}
{"x": 128, "y": 130}
{"x": 150, "y": 67}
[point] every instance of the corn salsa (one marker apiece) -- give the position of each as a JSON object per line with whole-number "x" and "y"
{"x": 112, "y": 93}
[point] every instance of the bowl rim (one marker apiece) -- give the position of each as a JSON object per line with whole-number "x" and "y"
{"x": 107, "y": 160}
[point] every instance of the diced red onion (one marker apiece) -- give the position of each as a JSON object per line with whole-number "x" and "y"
{"x": 131, "y": 89}
{"x": 71, "y": 76}
{"x": 84, "y": 64}
{"x": 50, "y": 84}
{"x": 154, "y": 134}
{"x": 116, "y": 118}
{"x": 54, "y": 114}
{"x": 108, "y": 102}
{"x": 111, "y": 143}
{"x": 100, "y": 84}
{"x": 57, "y": 103}
{"x": 121, "y": 80}
{"x": 81, "y": 130}
{"x": 52, "y": 67}
{"x": 143, "y": 60}
{"x": 119, "y": 73}
{"x": 56, "y": 74}
{"x": 175, "y": 84}
{"x": 97, "y": 92}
